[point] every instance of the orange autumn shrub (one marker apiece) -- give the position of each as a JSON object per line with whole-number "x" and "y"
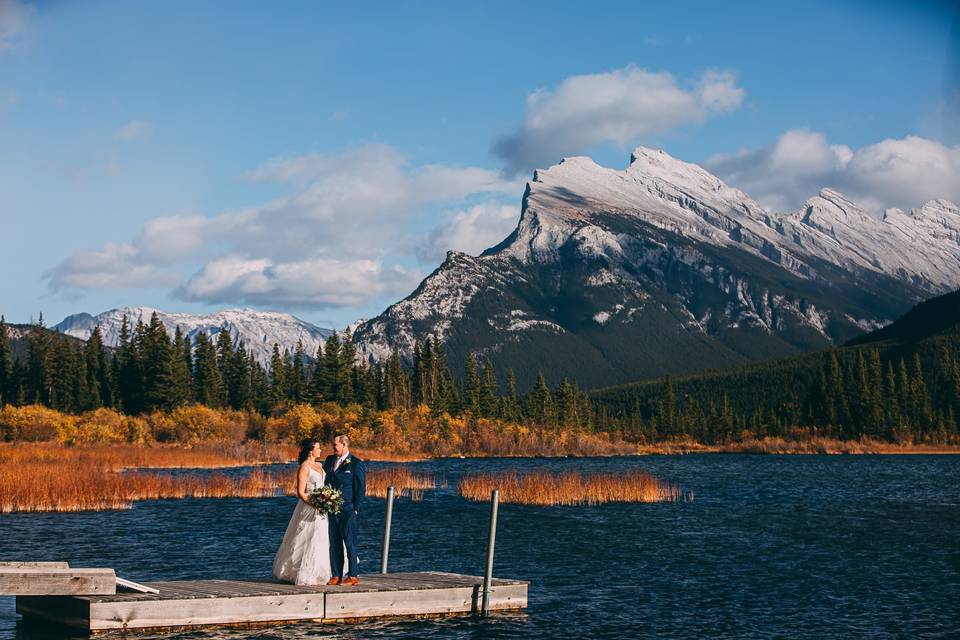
{"x": 161, "y": 426}
{"x": 197, "y": 423}
{"x": 298, "y": 422}
{"x": 100, "y": 426}
{"x": 36, "y": 423}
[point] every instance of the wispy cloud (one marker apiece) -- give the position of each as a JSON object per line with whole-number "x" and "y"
{"x": 895, "y": 172}
{"x": 620, "y": 106}
{"x": 471, "y": 231}
{"x": 332, "y": 241}
{"x": 14, "y": 16}
{"x": 133, "y": 130}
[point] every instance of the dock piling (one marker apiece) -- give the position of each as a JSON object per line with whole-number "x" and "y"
{"x": 386, "y": 531}
{"x": 491, "y": 543}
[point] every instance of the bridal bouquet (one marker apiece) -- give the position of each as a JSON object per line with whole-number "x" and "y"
{"x": 327, "y": 500}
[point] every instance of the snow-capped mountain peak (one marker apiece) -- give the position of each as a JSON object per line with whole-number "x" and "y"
{"x": 663, "y": 250}
{"x": 258, "y": 330}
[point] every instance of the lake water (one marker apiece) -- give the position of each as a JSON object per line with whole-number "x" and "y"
{"x": 772, "y": 546}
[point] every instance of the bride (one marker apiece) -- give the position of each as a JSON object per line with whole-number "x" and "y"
{"x": 304, "y": 554}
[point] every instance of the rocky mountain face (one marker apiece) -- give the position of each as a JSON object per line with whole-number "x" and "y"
{"x": 258, "y": 330}
{"x": 661, "y": 268}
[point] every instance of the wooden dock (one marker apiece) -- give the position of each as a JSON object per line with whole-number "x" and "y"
{"x": 197, "y": 603}
{"x": 54, "y": 578}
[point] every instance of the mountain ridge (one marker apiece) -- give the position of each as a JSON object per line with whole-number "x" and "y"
{"x": 259, "y": 330}
{"x": 680, "y": 271}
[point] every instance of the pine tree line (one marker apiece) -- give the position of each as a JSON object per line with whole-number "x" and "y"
{"x": 149, "y": 371}
{"x": 846, "y": 394}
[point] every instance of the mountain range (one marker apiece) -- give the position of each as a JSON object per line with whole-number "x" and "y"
{"x": 615, "y": 275}
{"x": 661, "y": 268}
{"x": 258, "y": 330}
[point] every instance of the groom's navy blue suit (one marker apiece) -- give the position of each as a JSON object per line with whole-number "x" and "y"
{"x": 350, "y": 479}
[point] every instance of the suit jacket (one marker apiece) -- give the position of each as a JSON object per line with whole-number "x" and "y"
{"x": 349, "y": 478}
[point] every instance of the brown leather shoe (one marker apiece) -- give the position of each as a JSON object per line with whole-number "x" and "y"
{"x": 349, "y": 581}
{"x": 334, "y": 580}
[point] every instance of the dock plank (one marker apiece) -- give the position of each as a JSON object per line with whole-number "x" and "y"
{"x": 201, "y": 612}
{"x": 199, "y": 603}
{"x": 32, "y": 580}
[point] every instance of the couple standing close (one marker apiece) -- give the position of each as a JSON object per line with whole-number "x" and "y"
{"x": 312, "y": 551}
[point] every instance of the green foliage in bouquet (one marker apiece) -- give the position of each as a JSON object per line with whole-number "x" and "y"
{"x": 327, "y": 500}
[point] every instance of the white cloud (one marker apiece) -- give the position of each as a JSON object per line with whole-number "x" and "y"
{"x": 620, "y": 106}
{"x": 133, "y": 130}
{"x": 13, "y": 20}
{"x": 470, "y": 231}
{"x": 114, "y": 266}
{"x": 317, "y": 283}
{"x": 892, "y": 173}
{"x": 332, "y": 240}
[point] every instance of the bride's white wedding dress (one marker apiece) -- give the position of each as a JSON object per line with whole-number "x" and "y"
{"x": 304, "y": 554}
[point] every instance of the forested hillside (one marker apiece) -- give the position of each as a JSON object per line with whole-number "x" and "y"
{"x": 899, "y": 383}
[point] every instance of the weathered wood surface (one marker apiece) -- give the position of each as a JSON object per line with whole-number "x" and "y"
{"x": 37, "y": 580}
{"x": 20, "y": 564}
{"x": 197, "y": 603}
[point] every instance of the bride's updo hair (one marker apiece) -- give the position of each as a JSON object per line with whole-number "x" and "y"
{"x": 306, "y": 446}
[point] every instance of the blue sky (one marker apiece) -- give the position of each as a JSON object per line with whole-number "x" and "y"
{"x": 319, "y": 159}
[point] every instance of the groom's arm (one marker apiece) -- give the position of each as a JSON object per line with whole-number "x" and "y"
{"x": 359, "y": 485}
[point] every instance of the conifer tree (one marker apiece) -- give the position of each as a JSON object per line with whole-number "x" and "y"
{"x": 331, "y": 368}
{"x": 297, "y": 380}
{"x": 130, "y": 368}
{"x": 99, "y": 392}
{"x": 6, "y": 366}
{"x": 278, "y": 382}
{"x": 471, "y": 386}
{"x": 180, "y": 389}
{"x": 224, "y": 351}
{"x": 157, "y": 361}
{"x": 488, "y": 390}
{"x": 512, "y": 402}
{"x": 64, "y": 375}
{"x": 348, "y": 356}
{"x": 206, "y": 373}
{"x": 238, "y": 378}
{"x": 540, "y": 405}
{"x": 39, "y": 384}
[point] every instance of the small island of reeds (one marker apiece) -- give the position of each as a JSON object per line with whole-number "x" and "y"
{"x": 570, "y": 488}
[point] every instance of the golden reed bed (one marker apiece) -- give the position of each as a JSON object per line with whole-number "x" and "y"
{"x": 570, "y": 488}
{"x": 47, "y": 477}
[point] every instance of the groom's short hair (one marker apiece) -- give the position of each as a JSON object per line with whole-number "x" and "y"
{"x": 342, "y": 437}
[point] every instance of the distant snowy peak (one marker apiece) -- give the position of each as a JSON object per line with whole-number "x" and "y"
{"x": 258, "y": 330}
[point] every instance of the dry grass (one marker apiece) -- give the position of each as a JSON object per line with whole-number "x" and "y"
{"x": 387, "y": 456}
{"x": 128, "y": 456}
{"x": 819, "y": 445}
{"x": 51, "y": 486}
{"x": 404, "y": 481}
{"x": 570, "y": 488}
{"x": 51, "y": 477}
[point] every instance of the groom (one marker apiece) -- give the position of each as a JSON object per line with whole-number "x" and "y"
{"x": 346, "y": 473}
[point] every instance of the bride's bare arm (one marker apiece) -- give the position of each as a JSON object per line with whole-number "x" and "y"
{"x": 302, "y": 475}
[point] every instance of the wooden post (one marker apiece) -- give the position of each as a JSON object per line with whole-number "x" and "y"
{"x": 491, "y": 543}
{"x": 386, "y": 530}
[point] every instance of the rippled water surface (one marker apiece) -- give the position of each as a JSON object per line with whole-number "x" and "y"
{"x": 791, "y": 546}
